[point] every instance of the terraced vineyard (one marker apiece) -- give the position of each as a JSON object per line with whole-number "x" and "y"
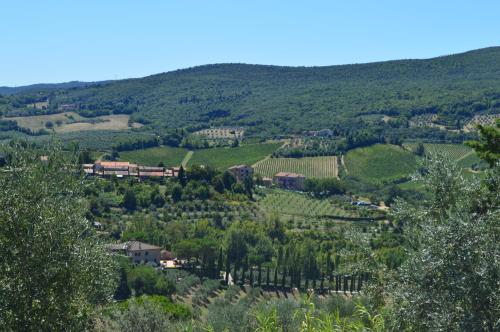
{"x": 313, "y": 167}
{"x": 454, "y": 151}
{"x": 464, "y": 155}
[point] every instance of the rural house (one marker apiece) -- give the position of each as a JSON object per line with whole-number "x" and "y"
{"x": 172, "y": 172}
{"x": 267, "y": 182}
{"x": 292, "y": 181}
{"x": 139, "y": 252}
{"x": 88, "y": 169}
{"x": 222, "y": 132}
{"x": 241, "y": 172}
{"x": 118, "y": 168}
{"x": 149, "y": 172}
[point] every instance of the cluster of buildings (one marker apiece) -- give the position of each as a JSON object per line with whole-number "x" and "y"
{"x": 285, "y": 180}
{"x": 122, "y": 169}
{"x": 222, "y": 132}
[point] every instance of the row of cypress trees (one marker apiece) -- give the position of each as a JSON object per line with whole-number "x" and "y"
{"x": 279, "y": 277}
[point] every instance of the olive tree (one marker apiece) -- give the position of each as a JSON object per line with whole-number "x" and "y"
{"x": 451, "y": 278}
{"x": 53, "y": 270}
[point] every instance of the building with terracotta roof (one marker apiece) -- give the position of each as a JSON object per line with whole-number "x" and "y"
{"x": 149, "y": 171}
{"x": 109, "y": 168}
{"x": 139, "y": 252}
{"x": 125, "y": 168}
{"x": 292, "y": 181}
{"x": 267, "y": 182}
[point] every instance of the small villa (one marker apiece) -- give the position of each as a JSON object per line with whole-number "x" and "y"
{"x": 139, "y": 252}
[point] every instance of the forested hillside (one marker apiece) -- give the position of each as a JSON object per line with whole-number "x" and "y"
{"x": 6, "y": 90}
{"x": 271, "y": 100}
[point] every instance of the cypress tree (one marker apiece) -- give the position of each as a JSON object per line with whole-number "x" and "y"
{"x": 211, "y": 270}
{"x": 298, "y": 278}
{"x": 243, "y": 272}
{"x": 123, "y": 291}
{"x": 275, "y": 277}
{"x": 251, "y": 276}
{"x": 307, "y": 282}
{"x": 182, "y": 176}
{"x": 267, "y": 276}
{"x": 259, "y": 277}
{"x": 321, "y": 285}
{"x": 329, "y": 271}
{"x": 314, "y": 283}
{"x": 235, "y": 274}
{"x": 228, "y": 268}
{"x": 220, "y": 263}
{"x": 283, "y": 278}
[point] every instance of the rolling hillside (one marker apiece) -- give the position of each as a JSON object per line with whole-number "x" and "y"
{"x": 7, "y": 90}
{"x": 271, "y": 100}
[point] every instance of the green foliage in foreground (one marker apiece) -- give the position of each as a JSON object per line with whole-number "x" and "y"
{"x": 450, "y": 280}
{"x": 380, "y": 163}
{"x": 53, "y": 271}
{"x": 145, "y": 313}
{"x": 252, "y": 312}
{"x": 489, "y": 146}
{"x": 222, "y": 158}
{"x": 169, "y": 156}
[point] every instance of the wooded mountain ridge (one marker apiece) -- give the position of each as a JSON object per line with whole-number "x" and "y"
{"x": 283, "y": 100}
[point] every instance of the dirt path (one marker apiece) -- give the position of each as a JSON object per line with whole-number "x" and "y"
{"x": 465, "y": 155}
{"x": 269, "y": 156}
{"x": 186, "y": 159}
{"x": 336, "y": 161}
{"x": 260, "y": 161}
{"x": 343, "y": 165}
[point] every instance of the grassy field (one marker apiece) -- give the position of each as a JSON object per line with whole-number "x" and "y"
{"x": 153, "y": 156}
{"x": 380, "y": 163}
{"x": 107, "y": 122}
{"x": 38, "y": 122}
{"x": 314, "y": 167}
{"x": 223, "y": 158}
{"x": 72, "y": 122}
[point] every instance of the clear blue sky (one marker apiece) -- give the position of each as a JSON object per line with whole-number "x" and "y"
{"x": 56, "y": 41}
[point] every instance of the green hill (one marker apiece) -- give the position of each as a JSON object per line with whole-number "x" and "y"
{"x": 380, "y": 163}
{"x": 271, "y": 100}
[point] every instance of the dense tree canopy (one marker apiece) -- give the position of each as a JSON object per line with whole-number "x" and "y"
{"x": 53, "y": 271}
{"x": 450, "y": 280}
